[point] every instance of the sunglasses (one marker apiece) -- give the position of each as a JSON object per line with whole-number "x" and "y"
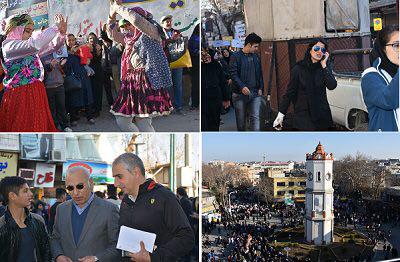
{"x": 79, "y": 186}
{"x": 317, "y": 48}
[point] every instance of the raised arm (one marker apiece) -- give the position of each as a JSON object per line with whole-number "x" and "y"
{"x": 15, "y": 49}
{"x": 113, "y": 33}
{"x": 137, "y": 21}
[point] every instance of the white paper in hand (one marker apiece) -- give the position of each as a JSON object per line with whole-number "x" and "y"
{"x": 129, "y": 239}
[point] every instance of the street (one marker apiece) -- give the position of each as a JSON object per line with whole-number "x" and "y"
{"x": 174, "y": 122}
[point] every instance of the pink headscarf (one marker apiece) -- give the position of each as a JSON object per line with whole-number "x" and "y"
{"x": 16, "y": 33}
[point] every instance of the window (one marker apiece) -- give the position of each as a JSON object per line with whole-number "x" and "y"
{"x": 318, "y": 176}
{"x": 291, "y": 183}
{"x": 301, "y": 192}
{"x": 280, "y": 193}
{"x": 302, "y": 183}
{"x": 291, "y": 192}
{"x": 280, "y": 183}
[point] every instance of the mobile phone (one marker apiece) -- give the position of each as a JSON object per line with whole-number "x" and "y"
{"x": 323, "y": 57}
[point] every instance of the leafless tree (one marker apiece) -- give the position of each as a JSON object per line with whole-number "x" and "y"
{"x": 359, "y": 173}
{"x": 228, "y": 12}
{"x": 264, "y": 188}
{"x": 218, "y": 178}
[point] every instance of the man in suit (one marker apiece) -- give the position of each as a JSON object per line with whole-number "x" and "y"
{"x": 86, "y": 227}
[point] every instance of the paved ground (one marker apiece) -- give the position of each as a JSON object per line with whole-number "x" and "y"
{"x": 229, "y": 122}
{"x": 394, "y": 241}
{"x": 172, "y": 123}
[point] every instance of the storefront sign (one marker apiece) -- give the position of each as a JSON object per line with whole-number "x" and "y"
{"x": 100, "y": 172}
{"x": 44, "y": 175}
{"x": 8, "y": 164}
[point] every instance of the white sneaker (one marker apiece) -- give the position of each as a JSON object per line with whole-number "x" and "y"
{"x": 68, "y": 129}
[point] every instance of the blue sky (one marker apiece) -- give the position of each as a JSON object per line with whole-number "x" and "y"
{"x": 241, "y": 147}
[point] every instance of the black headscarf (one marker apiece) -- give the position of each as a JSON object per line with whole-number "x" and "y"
{"x": 386, "y": 64}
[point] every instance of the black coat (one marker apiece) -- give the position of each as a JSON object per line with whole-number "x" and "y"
{"x": 214, "y": 90}
{"x": 158, "y": 211}
{"x": 10, "y": 237}
{"x": 307, "y": 92}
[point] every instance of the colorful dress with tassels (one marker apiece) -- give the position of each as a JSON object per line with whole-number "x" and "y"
{"x": 25, "y": 107}
{"x": 145, "y": 75}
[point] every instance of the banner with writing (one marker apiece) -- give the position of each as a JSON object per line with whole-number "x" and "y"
{"x": 37, "y": 9}
{"x": 86, "y": 16}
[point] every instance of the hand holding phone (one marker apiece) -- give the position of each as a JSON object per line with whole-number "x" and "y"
{"x": 324, "y": 59}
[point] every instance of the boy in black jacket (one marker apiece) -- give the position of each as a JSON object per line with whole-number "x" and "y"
{"x": 23, "y": 235}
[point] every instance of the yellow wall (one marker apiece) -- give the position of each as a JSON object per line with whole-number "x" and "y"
{"x": 274, "y": 188}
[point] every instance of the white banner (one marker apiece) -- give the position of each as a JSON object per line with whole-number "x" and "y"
{"x": 88, "y": 16}
{"x": 44, "y": 175}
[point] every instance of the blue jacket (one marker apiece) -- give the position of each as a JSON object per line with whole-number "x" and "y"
{"x": 239, "y": 70}
{"x": 381, "y": 96}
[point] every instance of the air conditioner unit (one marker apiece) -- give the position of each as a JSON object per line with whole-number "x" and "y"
{"x": 28, "y": 174}
{"x": 56, "y": 156}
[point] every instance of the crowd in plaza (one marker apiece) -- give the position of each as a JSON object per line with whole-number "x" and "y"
{"x": 129, "y": 61}
{"x": 248, "y": 232}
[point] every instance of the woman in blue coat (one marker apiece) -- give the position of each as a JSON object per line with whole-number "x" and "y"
{"x": 380, "y": 83}
{"x": 82, "y": 98}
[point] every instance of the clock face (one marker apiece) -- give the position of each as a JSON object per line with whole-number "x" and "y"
{"x": 328, "y": 176}
{"x": 310, "y": 176}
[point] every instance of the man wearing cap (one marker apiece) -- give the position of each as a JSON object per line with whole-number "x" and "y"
{"x": 150, "y": 207}
{"x": 86, "y": 226}
{"x": 172, "y": 36}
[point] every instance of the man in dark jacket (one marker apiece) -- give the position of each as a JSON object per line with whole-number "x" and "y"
{"x": 247, "y": 79}
{"x": 150, "y": 207}
{"x": 23, "y": 235}
{"x": 61, "y": 196}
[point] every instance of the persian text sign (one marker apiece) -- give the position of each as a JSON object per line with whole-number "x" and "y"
{"x": 37, "y": 10}
{"x": 44, "y": 175}
{"x": 8, "y": 164}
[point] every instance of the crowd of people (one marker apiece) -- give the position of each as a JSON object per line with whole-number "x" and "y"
{"x": 51, "y": 78}
{"x": 84, "y": 226}
{"x": 237, "y": 77}
{"x": 248, "y": 228}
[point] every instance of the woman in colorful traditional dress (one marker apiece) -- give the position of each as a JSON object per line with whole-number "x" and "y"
{"x": 145, "y": 74}
{"x": 24, "y": 107}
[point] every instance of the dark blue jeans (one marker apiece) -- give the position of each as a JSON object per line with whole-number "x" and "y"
{"x": 247, "y": 108}
{"x": 177, "y": 79}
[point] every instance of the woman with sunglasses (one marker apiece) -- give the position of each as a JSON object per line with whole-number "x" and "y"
{"x": 380, "y": 83}
{"x": 24, "y": 107}
{"x": 309, "y": 79}
{"x": 145, "y": 74}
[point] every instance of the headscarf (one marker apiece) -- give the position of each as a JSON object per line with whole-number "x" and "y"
{"x": 17, "y": 21}
{"x": 386, "y": 64}
{"x": 131, "y": 37}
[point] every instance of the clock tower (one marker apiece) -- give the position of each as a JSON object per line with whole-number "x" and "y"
{"x": 319, "y": 197}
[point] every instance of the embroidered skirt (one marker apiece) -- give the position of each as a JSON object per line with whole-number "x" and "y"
{"x": 26, "y": 109}
{"x": 136, "y": 97}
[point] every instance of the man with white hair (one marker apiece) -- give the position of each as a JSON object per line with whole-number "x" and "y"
{"x": 150, "y": 207}
{"x": 86, "y": 227}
